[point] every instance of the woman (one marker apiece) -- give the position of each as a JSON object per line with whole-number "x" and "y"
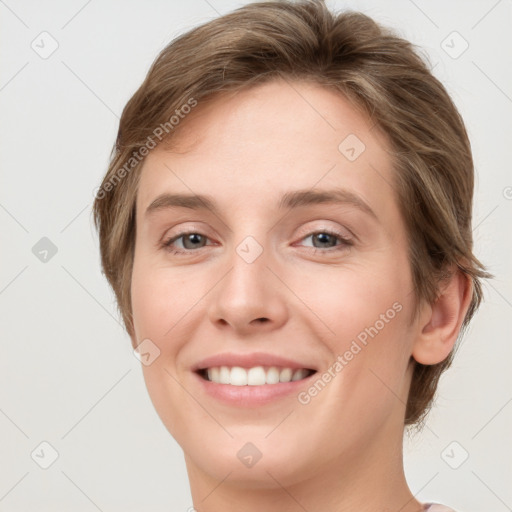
{"x": 286, "y": 223}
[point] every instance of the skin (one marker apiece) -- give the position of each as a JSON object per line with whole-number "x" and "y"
{"x": 343, "y": 450}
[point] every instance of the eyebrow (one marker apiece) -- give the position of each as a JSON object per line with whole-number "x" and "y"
{"x": 290, "y": 200}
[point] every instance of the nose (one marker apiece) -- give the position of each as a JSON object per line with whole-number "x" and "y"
{"x": 249, "y": 298}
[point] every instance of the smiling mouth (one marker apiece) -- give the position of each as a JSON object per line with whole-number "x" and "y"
{"x": 255, "y": 376}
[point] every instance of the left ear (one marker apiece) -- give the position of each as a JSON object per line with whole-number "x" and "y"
{"x": 440, "y": 322}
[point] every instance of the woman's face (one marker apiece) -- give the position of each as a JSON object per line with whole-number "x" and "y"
{"x": 295, "y": 261}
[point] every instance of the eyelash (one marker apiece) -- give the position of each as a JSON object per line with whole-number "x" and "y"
{"x": 343, "y": 245}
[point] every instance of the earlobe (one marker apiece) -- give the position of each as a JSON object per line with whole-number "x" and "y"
{"x": 440, "y": 322}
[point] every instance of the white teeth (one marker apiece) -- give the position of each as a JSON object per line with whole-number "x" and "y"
{"x": 299, "y": 374}
{"x": 238, "y": 376}
{"x": 213, "y": 374}
{"x": 224, "y": 375}
{"x": 256, "y": 376}
{"x": 285, "y": 375}
{"x": 272, "y": 375}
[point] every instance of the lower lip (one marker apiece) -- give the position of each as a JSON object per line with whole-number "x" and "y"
{"x": 250, "y": 396}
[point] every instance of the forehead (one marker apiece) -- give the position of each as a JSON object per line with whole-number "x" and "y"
{"x": 254, "y": 145}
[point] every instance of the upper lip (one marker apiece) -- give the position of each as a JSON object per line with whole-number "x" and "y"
{"x": 249, "y": 361}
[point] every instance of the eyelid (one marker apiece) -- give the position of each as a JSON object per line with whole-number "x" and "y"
{"x": 342, "y": 232}
{"x": 345, "y": 241}
{"x": 190, "y": 227}
{"x": 168, "y": 241}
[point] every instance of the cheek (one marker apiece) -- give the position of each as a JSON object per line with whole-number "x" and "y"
{"x": 161, "y": 303}
{"x": 347, "y": 301}
{"x": 364, "y": 316}
{"x": 144, "y": 298}
{"x": 372, "y": 385}
{"x": 161, "y": 299}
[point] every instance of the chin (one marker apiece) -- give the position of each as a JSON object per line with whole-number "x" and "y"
{"x": 257, "y": 464}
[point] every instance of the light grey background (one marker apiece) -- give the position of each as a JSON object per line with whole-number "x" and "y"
{"x": 67, "y": 373}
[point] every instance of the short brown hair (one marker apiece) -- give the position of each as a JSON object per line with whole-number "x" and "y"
{"x": 378, "y": 71}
